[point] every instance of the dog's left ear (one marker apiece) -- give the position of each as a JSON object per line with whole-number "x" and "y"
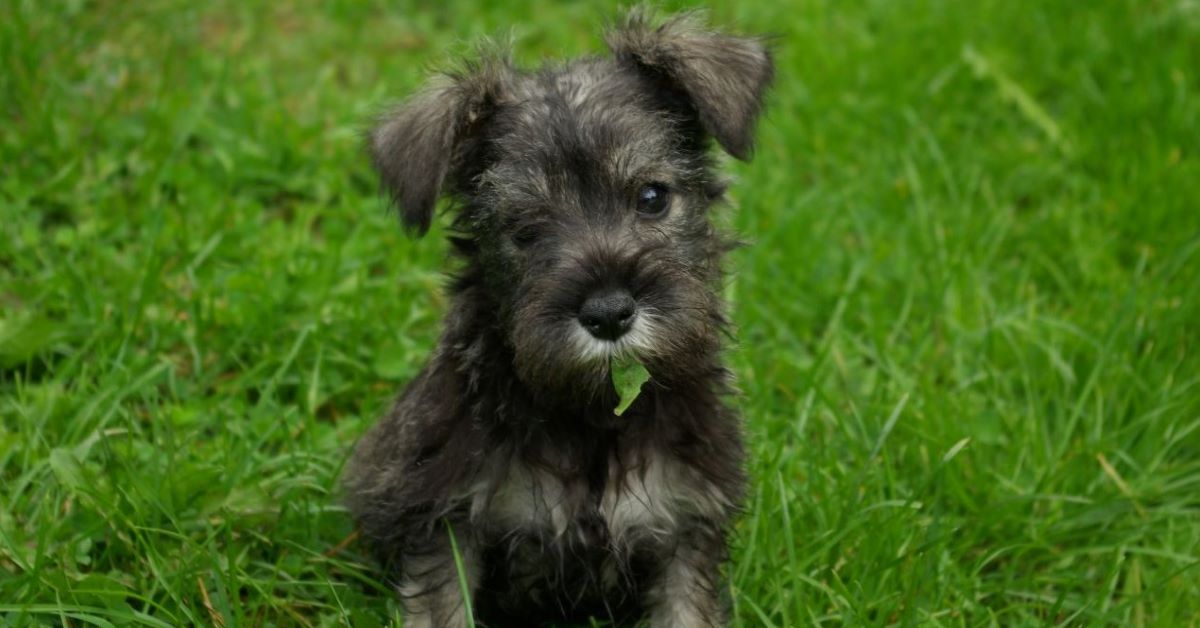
{"x": 725, "y": 77}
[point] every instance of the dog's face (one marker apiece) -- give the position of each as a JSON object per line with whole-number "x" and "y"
{"x": 584, "y": 192}
{"x": 591, "y": 225}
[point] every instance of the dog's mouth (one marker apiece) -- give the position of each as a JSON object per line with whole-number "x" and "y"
{"x": 567, "y": 330}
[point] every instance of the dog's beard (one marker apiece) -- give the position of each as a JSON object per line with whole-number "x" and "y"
{"x": 553, "y": 352}
{"x": 675, "y": 330}
{"x": 641, "y": 343}
{"x": 549, "y": 357}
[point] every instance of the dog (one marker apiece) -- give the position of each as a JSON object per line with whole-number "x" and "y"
{"x": 501, "y": 485}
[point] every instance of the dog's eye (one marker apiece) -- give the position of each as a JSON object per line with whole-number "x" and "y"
{"x": 653, "y": 200}
{"x": 526, "y": 235}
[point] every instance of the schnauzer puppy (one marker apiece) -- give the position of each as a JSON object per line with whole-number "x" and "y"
{"x": 501, "y": 480}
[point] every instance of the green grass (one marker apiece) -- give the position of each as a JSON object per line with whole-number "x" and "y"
{"x": 969, "y": 320}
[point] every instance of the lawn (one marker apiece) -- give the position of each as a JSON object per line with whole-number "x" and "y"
{"x": 968, "y": 317}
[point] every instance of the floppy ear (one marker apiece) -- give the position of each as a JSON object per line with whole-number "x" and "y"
{"x": 416, "y": 147}
{"x": 724, "y": 77}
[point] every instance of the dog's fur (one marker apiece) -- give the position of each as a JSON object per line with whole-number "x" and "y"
{"x": 507, "y": 439}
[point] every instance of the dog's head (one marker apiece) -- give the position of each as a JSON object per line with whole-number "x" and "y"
{"x": 583, "y": 190}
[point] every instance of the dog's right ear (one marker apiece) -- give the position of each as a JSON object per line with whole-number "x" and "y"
{"x": 416, "y": 147}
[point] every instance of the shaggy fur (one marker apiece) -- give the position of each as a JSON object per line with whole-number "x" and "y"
{"x": 507, "y": 437}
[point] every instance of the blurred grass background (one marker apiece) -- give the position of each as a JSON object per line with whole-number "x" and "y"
{"x": 968, "y": 322}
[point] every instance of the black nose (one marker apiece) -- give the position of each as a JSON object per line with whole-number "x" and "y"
{"x": 608, "y": 314}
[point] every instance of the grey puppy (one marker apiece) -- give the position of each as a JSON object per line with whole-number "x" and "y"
{"x": 582, "y": 194}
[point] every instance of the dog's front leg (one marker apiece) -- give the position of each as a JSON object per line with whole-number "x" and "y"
{"x": 685, "y": 592}
{"x": 430, "y": 588}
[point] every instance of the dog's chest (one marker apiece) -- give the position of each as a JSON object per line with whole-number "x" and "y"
{"x": 643, "y": 502}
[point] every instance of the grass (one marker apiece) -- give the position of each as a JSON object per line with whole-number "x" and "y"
{"x": 969, "y": 321}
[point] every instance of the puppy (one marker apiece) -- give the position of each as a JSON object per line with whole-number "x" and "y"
{"x": 502, "y": 482}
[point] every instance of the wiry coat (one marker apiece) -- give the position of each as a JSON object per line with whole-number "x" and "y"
{"x": 507, "y": 437}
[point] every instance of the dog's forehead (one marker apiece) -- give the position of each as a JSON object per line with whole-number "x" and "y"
{"x": 590, "y": 114}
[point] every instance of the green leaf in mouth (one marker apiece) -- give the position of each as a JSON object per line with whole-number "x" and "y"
{"x": 628, "y": 377}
